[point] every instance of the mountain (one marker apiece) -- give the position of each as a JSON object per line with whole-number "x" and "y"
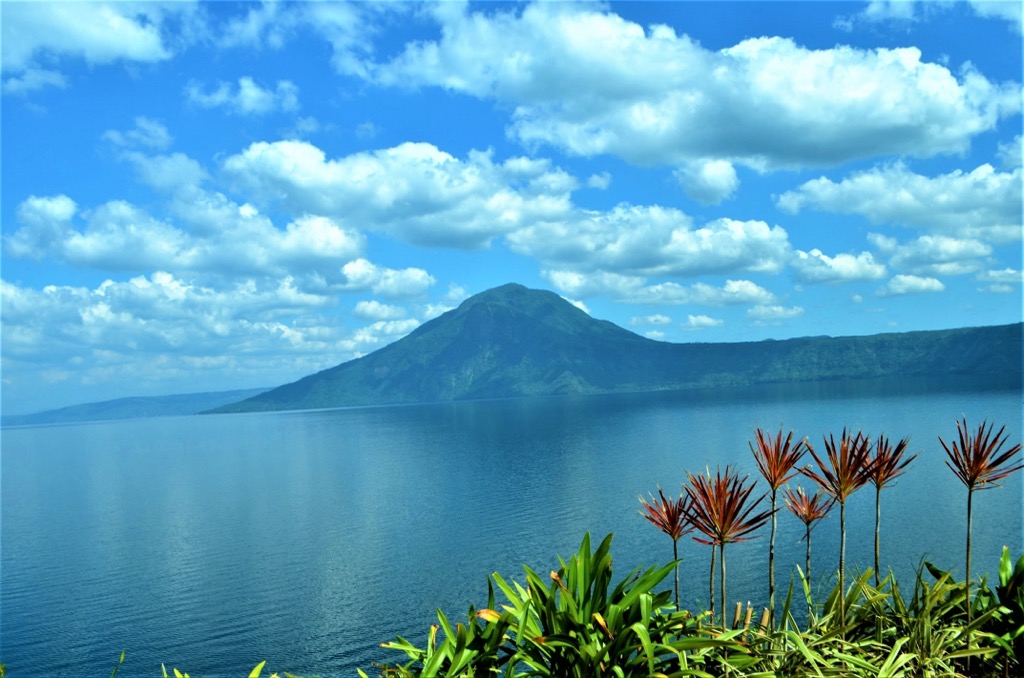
{"x": 132, "y": 408}
{"x": 512, "y": 341}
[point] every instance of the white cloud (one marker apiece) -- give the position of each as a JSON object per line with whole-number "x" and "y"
{"x": 1011, "y": 12}
{"x": 47, "y": 221}
{"x": 700, "y": 322}
{"x": 708, "y": 181}
{"x": 166, "y": 333}
{"x": 910, "y": 284}
{"x": 377, "y": 311}
{"x": 360, "y": 274}
{"x": 147, "y": 133}
{"x": 32, "y": 79}
{"x": 817, "y": 267}
{"x": 653, "y": 240}
{"x": 413, "y": 191}
{"x": 732, "y": 293}
{"x": 248, "y": 98}
{"x": 593, "y": 83}
{"x": 911, "y": 11}
{"x": 1010, "y": 154}
{"x": 774, "y": 312}
{"x": 380, "y": 333}
{"x": 656, "y": 335}
{"x": 980, "y": 203}
{"x": 934, "y": 255}
{"x": 599, "y": 181}
{"x": 100, "y": 33}
{"x": 122, "y": 237}
{"x": 656, "y": 319}
{"x": 1006, "y": 276}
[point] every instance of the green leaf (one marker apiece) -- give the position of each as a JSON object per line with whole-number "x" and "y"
{"x": 258, "y": 670}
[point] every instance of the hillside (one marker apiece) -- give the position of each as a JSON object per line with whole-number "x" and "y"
{"x": 512, "y": 341}
{"x": 132, "y": 408}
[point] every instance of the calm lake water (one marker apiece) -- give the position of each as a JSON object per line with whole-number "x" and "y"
{"x": 307, "y": 538}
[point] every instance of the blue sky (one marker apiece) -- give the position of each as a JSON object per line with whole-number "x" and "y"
{"x": 229, "y": 195}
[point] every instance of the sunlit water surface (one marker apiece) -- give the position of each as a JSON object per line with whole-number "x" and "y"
{"x": 210, "y": 543}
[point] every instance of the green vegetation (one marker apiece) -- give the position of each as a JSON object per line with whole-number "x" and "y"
{"x": 577, "y": 624}
{"x": 511, "y": 341}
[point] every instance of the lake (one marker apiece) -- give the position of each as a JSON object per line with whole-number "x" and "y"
{"x": 211, "y": 543}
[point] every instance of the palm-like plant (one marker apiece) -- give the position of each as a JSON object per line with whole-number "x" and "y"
{"x": 887, "y": 465}
{"x": 671, "y": 516}
{"x": 847, "y": 470}
{"x": 776, "y": 460}
{"x": 979, "y": 464}
{"x": 809, "y": 509}
{"x": 719, "y": 509}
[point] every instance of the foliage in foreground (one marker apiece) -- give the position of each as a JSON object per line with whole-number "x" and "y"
{"x": 577, "y": 623}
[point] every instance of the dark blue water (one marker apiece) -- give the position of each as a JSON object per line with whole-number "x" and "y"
{"x": 212, "y": 543}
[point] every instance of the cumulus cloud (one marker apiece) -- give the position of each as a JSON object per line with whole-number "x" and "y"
{"x": 1010, "y": 154}
{"x": 635, "y": 290}
{"x": 413, "y": 191}
{"x": 911, "y": 11}
{"x": 708, "y": 181}
{"x": 934, "y": 255}
{"x": 248, "y": 98}
{"x": 168, "y": 333}
{"x": 32, "y": 79}
{"x": 147, "y": 133}
{"x": 981, "y": 203}
{"x": 375, "y": 310}
{"x": 361, "y": 274}
{"x": 656, "y": 319}
{"x": 763, "y": 313}
{"x": 910, "y": 284}
{"x": 817, "y": 267}
{"x": 653, "y": 240}
{"x": 591, "y": 82}
{"x": 119, "y": 236}
{"x": 702, "y": 322}
{"x": 100, "y": 33}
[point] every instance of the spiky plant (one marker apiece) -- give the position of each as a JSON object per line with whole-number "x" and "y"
{"x": 886, "y": 465}
{"x": 979, "y": 464}
{"x": 847, "y": 470}
{"x": 671, "y": 516}
{"x": 809, "y": 510}
{"x": 720, "y": 511}
{"x": 776, "y": 460}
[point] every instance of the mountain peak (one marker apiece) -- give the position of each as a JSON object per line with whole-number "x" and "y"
{"x": 512, "y": 341}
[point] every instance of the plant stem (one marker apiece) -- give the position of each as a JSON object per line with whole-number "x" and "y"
{"x": 675, "y": 558}
{"x": 807, "y": 570}
{"x": 711, "y": 584}
{"x": 771, "y": 564}
{"x": 842, "y": 561}
{"x": 967, "y": 579}
{"x": 878, "y": 524}
{"x": 724, "y": 611}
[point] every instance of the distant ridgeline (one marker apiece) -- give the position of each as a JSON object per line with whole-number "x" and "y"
{"x": 132, "y": 408}
{"x": 512, "y": 341}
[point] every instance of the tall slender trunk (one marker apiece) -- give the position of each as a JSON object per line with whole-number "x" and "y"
{"x": 675, "y": 559}
{"x": 807, "y": 564}
{"x": 711, "y": 585}
{"x": 967, "y": 579}
{"x": 878, "y": 527}
{"x": 722, "y": 564}
{"x": 842, "y": 561}
{"x": 771, "y": 565}
{"x": 807, "y": 570}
